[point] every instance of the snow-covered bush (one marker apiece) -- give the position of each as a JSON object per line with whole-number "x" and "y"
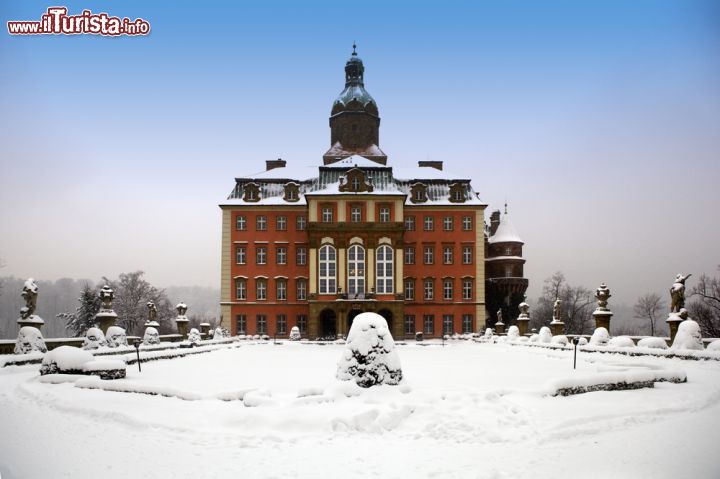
{"x": 560, "y": 339}
{"x": 582, "y": 341}
{"x": 294, "y": 333}
{"x": 652, "y": 343}
{"x": 29, "y": 339}
{"x": 688, "y": 336}
{"x": 116, "y": 337}
{"x": 221, "y": 333}
{"x": 488, "y": 333}
{"x": 194, "y": 337}
{"x": 600, "y": 337}
{"x": 65, "y": 359}
{"x": 94, "y": 338}
{"x": 545, "y": 335}
{"x": 534, "y": 338}
{"x": 513, "y": 333}
{"x": 621, "y": 342}
{"x": 151, "y": 336}
{"x": 714, "y": 346}
{"x": 370, "y": 358}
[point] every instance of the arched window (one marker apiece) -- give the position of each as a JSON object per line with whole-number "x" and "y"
{"x": 327, "y": 270}
{"x": 356, "y": 271}
{"x": 384, "y": 270}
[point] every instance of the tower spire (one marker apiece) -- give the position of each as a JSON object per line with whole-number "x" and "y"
{"x": 354, "y": 53}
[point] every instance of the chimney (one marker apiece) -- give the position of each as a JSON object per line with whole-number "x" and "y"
{"x": 494, "y": 221}
{"x": 272, "y": 164}
{"x": 432, "y": 164}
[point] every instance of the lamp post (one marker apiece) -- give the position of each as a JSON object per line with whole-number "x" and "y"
{"x": 575, "y": 341}
{"x": 136, "y": 343}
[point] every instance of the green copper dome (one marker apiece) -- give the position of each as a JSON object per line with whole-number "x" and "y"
{"x": 354, "y": 97}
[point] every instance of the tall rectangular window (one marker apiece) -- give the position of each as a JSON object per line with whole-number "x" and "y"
{"x": 327, "y": 270}
{"x": 261, "y": 289}
{"x": 261, "y": 223}
{"x": 301, "y": 289}
{"x": 281, "y": 324}
{"x": 302, "y": 321}
{"x": 384, "y": 270}
{"x": 261, "y": 324}
{"x": 467, "y": 323}
{"x": 384, "y": 214}
{"x": 281, "y": 223}
{"x": 429, "y": 254}
{"x": 467, "y": 254}
{"x": 240, "y": 288}
{"x": 241, "y": 223}
{"x": 467, "y": 288}
{"x": 410, "y": 289}
{"x": 448, "y": 289}
{"x": 281, "y": 255}
{"x": 429, "y": 289}
{"x": 281, "y": 289}
{"x": 240, "y": 254}
{"x": 327, "y": 214}
{"x": 429, "y": 324}
{"x": 409, "y": 324}
{"x": 410, "y": 223}
{"x": 467, "y": 223}
{"x": 261, "y": 255}
{"x": 447, "y": 323}
{"x": 447, "y": 254}
{"x": 301, "y": 256}
{"x": 448, "y": 223}
{"x": 428, "y": 224}
{"x": 241, "y": 323}
{"x": 355, "y": 214}
{"x": 409, "y": 255}
{"x": 301, "y": 223}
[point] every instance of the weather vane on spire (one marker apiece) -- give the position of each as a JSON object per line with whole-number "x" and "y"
{"x": 505, "y": 206}
{"x": 354, "y": 46}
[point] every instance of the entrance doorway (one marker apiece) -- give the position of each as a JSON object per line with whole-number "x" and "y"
{"x": 387, "y": 314}
{"x": 328, "y": 324}
{"x": 351, "y": 316}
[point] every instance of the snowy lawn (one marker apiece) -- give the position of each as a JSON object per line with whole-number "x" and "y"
{"x": 465, "y": 410}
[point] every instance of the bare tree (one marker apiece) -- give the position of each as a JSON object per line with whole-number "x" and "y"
{"x": 650, "y": 306}
{"x": 132, "y": 294}
{"x": 705, "y": 307}
{"x": 577, "y": 305}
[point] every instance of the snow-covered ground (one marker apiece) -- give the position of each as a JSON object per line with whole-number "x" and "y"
{"x": 463, "y": 410}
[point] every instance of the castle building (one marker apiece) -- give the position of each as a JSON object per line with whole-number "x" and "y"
{"x": 315, "y": 246}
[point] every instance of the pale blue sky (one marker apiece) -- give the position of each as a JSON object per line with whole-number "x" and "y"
{"x": 598, "y": 121}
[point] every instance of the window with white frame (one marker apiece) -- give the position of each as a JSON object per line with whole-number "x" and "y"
{"x": 448, "y": 289}
{"x": 328, "y": 264}
{"x": 447, "y": 254}
{"x": 241, "y": 323}
{"x": 410, "y": 289}
{"x": 448, "y": 223}
{"x": 384, "y": 214}
{"x": 467, "y": 323}
{"x": 281, "y": 289}
{"x": 467, "y": 223}
{"x": 261, "y": 255}
{"x": 384, "y": 270}
{"x": 301, "y": 289}
{"x": 467, "y": 254}
{"x": 260, "y": 289}
{"x": 241, "y": 223}
{"x": 410, "y": 223}
{"x": 356, "y": 270}
{"x": 261, "y": 324}
{"x": 428, "y": 324}
{"x": 447, "y": 323}
{"x": 301, "y": 223}
{"x": 281, "y": 324}
{"x": 301, "y": 256}
{"x": 508, "y": 271}
{"x": 240, "y": 288}
{"x": 302, "y": 323}
{"x": 281, "y": 223}
{"x": 261, "y": 223}
{"x": 428, "y": 223}
{"x": 429, "y": 289}
{"x": 240, "y": 255}
{"x": 281, "y": 255}
{"x": 429, "y": 254}
{"x": 355, "y": 214}
{"x": 458, "y": 195}
{"x": 409, "y": 255}
{"x": 327, "y": 214}
{"x": 409, "y": 324}
{"x": 355, "y": 183}
{"x": 467, "y": 288}
{"x": 508, "y": 251}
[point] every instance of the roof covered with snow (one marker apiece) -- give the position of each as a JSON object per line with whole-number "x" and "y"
{"x": 506, "y": 232}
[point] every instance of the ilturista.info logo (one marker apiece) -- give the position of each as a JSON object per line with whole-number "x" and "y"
{"x": 57, "y": 22}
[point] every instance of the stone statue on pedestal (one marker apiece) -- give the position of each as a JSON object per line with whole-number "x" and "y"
{"x": 602, "y": 294}
{"x": 29, "y": 294}
{"x": 677, "y": 293}
{"x": 557, "y": 311}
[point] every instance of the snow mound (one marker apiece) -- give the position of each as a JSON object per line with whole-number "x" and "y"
{"x": 582, "y": 341}
{"x": 370, "y": 358}
{"x": 194, "y": 336}
{"x": 560, "y": 339}
{"x": 714, "y": 346}
{"x": 116, "y": 337}
{"x": 295, "y": 334}
{"x": 513, "y": 333}
{"x": 94, "y": 339}
{"x": 600, "y": 337}
{"x": 488, "y": 333}
{"x": 534, "y": 338}
{"x": 688, "y": 336}
{"x": 29, "y": 339}
{"x": 621, "y": 342}
{"x": 545, "y": 335}
{"x": 652, "y": 343}
{"x": 151, "y": 336}
{"x": 221, "y": 333}
{"x": 66, "y": 358}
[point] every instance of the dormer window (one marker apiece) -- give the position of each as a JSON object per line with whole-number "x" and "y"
{"x": 457, "y": 193}
{"x": 355, "y": 183}
{"x": 252, "y": 192}
{"x": 292, "y": 192}
{"x": 418, "y": 193}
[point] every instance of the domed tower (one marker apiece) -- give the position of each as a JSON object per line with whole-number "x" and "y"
{"x": 354, "y": 119}
{"x": 505, "y": 284}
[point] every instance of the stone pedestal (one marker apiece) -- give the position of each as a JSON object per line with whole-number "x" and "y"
{"x": 105, "y": 319}
{"x": 523, "y": 325}
{"x": 34, "y": 320}
{"x": 182, "y": 326}
{"x": 602, "y": 318}
{"x": 673, "y": 322}
{"x": 499, "y": 328}
{"x": 557, "y": 328}
{"x": 205, "y": 330}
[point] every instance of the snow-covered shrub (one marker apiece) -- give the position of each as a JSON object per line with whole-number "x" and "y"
{"x": 94, "y": 338}
{"x": 294, "y": 333}
{"x": 65, "y": 359}
{"x": 534, "y": 338}
{"x": 600, "y": 337}
{"x": 116, "y": 337}
{"x": 370, "y": 358}
{"x": 221, "y": 333}
{"x": 194, "y": 337}
{"x": 256, "y": 337}
{"x": 488, "y": 333}
{"x": 582, "y": 341}
{"x": 652, "y": 343}
{"x": 688, "y": 336}
{"x": 560, "y": 339}
{"x": 545, "y": 335}
{"x": 151, "y": 336}
{"x": 29, "y": 339}
{"x": 513, "y": 333}
{"x": 265, "y": 337}
{"x": 714, "y": 346}
{"x": 621, "y": 342}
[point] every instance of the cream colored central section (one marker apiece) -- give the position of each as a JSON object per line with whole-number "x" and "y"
{"x": 370, "y": 281}
{"x": 479, "y": 270}
{"x": 225, "y": 275}
{"x": 313, "y": 271}
{"x": 341, "y": 267}
{"x": 370, "y": 211}
{"x": 341, "y": 210}
{"x": 399, "y": 271}
{"x": 312, "y": 211}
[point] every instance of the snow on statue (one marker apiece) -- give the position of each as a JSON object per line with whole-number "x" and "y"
{"x": 295, "y": 334}
{"x": 94, "y": 339}
{"x": 194, "y": 337}
{"x": 116, "y": 337}
{"x": 688, "y": 336}
{"x": 370, "y": 358}
{"x": 151, "y": 336}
